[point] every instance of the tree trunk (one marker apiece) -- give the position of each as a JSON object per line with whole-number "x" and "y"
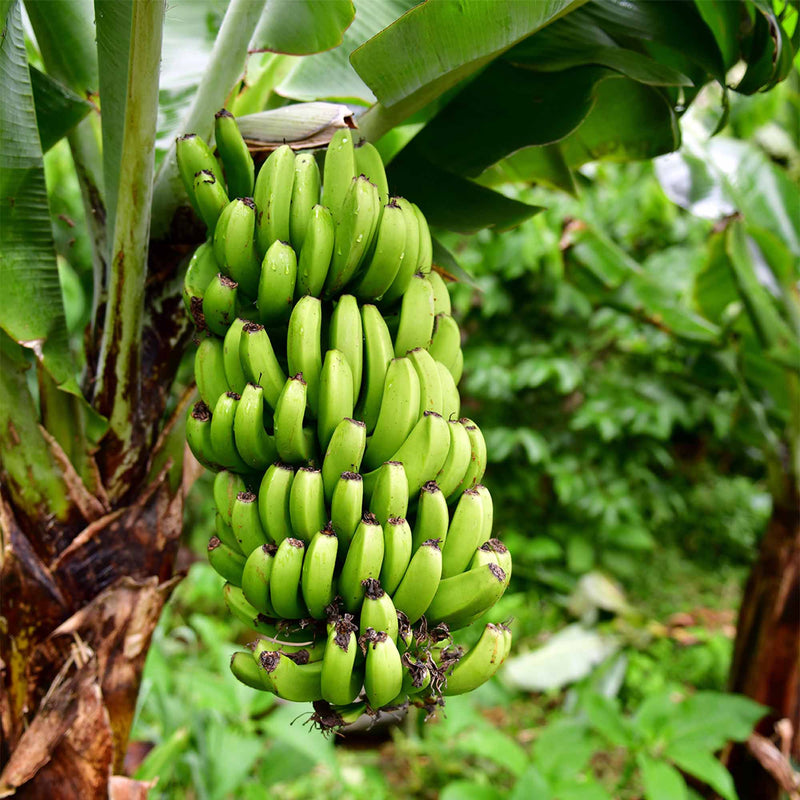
{"x": 766, "y": 659}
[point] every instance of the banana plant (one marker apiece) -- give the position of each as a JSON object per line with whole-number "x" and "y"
{"x": 93, "y": 478}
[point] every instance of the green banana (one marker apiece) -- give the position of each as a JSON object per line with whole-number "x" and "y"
{"x": 245, "y": 612}
{"x": 464, "y": 534}
{"x": 424, "y": 451}
{"x": 236, "y": 158}
{"x": 256, "y": 576}
{"x": 430, "y": 383}
{"x": 246, "y": 523}
{"x": 405, "y": 635}
{"x": 273, "y": 501}
{"x": 234, "y": 245}
{"x": 292, "y": 444}
{"x": 425, "y": 254}
{"x": 307, "y": 503}
{"x": 339, "y": 170}
{"x": 398, "y": 413}
{"x": 378, "y": 352}
{"x": 276, "y": 284}
{"x": 304, "y": 346}
{"x": 341, "y": 677}
{"x": 209, "y": 370}
{"x": 459, "y": 458}
{"x": 305, "y": 195}
{"x": 346, "y": 506}
{"x": 344, "y": 453}
{"x": 245, "y": 670}
{"x": 253, "y": 443}
{"x": 355, "y": 227}
{"x": 386, "y": 257}
{"x": 411, "y": 257}
{"x": 458, "y": 367}
{"x": 315, "y": 256}
{"x": 231, "y": 362}
{"x": 370, "y": 164}
{"x": 198, "y": 436}
{"x": 388, "y": 495}
{"x": 479, "y": 663}
{"x": 378, "y": 611}
{"x": 225, "y": 561}
{"x": 220, "y": 303}
{"x": 396, "y": 552}
{"x": 319, "y": 565}
{"x": 451, "y": 399}
{"x": 284, "y": 582}
{"x": 225, "y": 533}
{"x": 201, "y": 269}
{"x": 345, "y": 334}
{"x": 261, "y": 365}
{"x": 485, "y": 554}
{"x": 417, "y": 676}
{"x": 420, "y": 582}
{"x": 221, "y": 431}
{"x": 298, "y": 682}
{"x": 210, "y": 198}
{"x": 477, "y": 465}
{"x": 363, "y": 560}
{"x": 433, "y": 517}
{"x": 488, "y": 509}
{"x": 383, "y": 672}
{"x": 416, "y": 316}
{"x": 445, "y": 344}
{"x": 335, "y": 395}
{"x": 193, "y": 155}
{"x": 501, "y": 554}
{"x": 441, "y": 295}
{"x": 273, "y": 196}
{"x": 463, "y": 598}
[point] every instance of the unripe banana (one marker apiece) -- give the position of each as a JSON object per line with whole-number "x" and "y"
{"x": 273, "y": 196}
{"x": 198, "y": 436}
{"x": 304, "y": 346}
{"x": 416, "y": 676}
{"x": 378, "y": 611}
{"x": 383, "y": 672}
{"x": 246, "y": 523}
{"x": 209, "y": 370}
{"x": 398, "y": 413}
{"x": 256, "y": 577}
{"x": 273, "y": 501}
{"x": 199, "y": 273}
{"x": 445, "y": 344}
{"x": 236, "y": 158}
{"x": 405, "y": 635}
{"x": 463, "y": 598}
{"x": 225, "y": 533}
{"x": 339, "y": 170}
{"x": 477, "y": 465}
{"x": 451, "y": 399}
{"x": 292, "y": 444}
{"x": 335, "y": 395}
{"x": 425, "y": 254}
{"x": 341, "y": 678}
{"x": 193, "y": 155}
{"x": 231, "y": 362}
{"x": 388, "y": 492}
{"x": 363, "y": 560}
{"x": 433, "y": 517}
{"x": 245, "y": 612}
{"x": 315, "y": 257}
{"x": 441, "y": 295}
{"x": 396, "y": 552}
{"x": 284, "y": 583}
{"x": 305, "y": 195}
{"x": 260, "y": 363}
{"x": 420, "y": 582}
{"x": 319, "y": 565}
{"x": 424, "y": 451}
{"x": 220, "y": 304}
{"x": 344, "y": 454}
{"x": 307, "y": 504}
{"x": 430, "y": 382}
{"x": 459, "y": 458}
{"x": 210, "y": 197}
{"x": 479, "y": 663}
{"x": 488, "y": 510}
{"x": 225, "y": 561}
{"x": 458, "y": 367}
{"x": 245, "y": 670}
{"x": 416, "y": 316}
{"x": 378, "y": 353}
{"x": 345, "y": 334}
{"x": 346, "y": 507}
{"x": 503, "y": 556}
{"x": 485, "y": 554}
{"x": 298, "y": 682}
{"x": 464, "y": 534}
{"x": 386, "y": 257}
{"x": 234, "y": 245}
{"x": 370, "y": 164}
{"x": 222, "y": 438}
{"x": 411, "y": 257}
{"x": 276, "y": 284}
{"x": 253, "y": 443}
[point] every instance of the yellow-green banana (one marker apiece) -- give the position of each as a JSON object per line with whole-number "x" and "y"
{"x": 383, "y": 671}
{"x": 463, "y": 598}
{"x": 339, "y": 170}
{"x": 246, "y": 523}
{"x": 253, "y": 443}
{"x": 378, "y": 611}
{"x": 420, "y": 582}
{"x": 342, "y": 676}
{"x": 433, "y": 517}
{"x": 225, "y": 561}
{"x": 273, "y": 501}
{"x": 430, "y": 383}
{"x": 378, "y": 352}
{"x": 446, "y": 342}
{"x": 246, "y": 671}
{"x": 234, "y": 245}
{"x": 198, "y": 436}
{"x": 451, "y": 399}
{"x": 388, "y": 492}
{"x": 459, "y": 458}
{"x": 231, "y": 361}
{"x": 441, "y": 295}
{"x": 290, "y": 440}
{"x": 298, "y": 682}
{"x": 345, "y": 333}
{"x": 411, "y": 257}
{"x": 256, "y": 576}
{"x": 276, "y": 284}
{"x": 477, "y": 464}
{"x": 396, "y": 552}
{"x": 335, "y": 395}
{"x": 347, "y": 507}
{"x": 317, "y": 578}
{"x": 416, "y": 316}
{"x": 199, "y": 273}
{"x": 344, "y": 453}
{"x": 220, "y": 303}
{"x": 261, "y": 365}
{"x": 244, "y": 611}
{"x": 315, "y": 256}
{"x": 386, "y": 257}
{"x": 465, "y": 533}
{"x": 304, "y": 346}
{"x": 209, "y": 370}
{"x": 305, "y": 195}
{"x": 363, "y": 560}
{"x": 479, "y": 663}
{"x": 225, "y": 533}
{"x": 424, "y": 451}
{"x": 425, "y": 254}
{"x": 236, "y": 158}
{"x": 193, "y": 155}
{"x": 273, "y": 197}
{"x": 307, "y": 504}
{"x": 284, "y": 583}
{"x": 210, "y": 197}
{"x": 370, "y": 164}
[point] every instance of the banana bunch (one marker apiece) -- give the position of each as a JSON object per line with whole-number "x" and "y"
{"x": 352, "y": 528}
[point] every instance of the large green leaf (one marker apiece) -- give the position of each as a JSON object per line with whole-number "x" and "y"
{"x": 58, "y": 109}
{"x": 724, "y": 18}
{"x": 302, "y": 27}
{"x": 768, "y": 52}
{"x": 701, "y": 764}
{"x": 661, "y": 780}
{"x": 32, "y": 311}
{"x": 545, "y": 164}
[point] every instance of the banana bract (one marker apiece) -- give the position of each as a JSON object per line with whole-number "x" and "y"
{"x": 353, "y": 528}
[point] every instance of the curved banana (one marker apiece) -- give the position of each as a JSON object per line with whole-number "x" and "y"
{"x": 209, "y": 370}
{"x": 488, "y": 510}
{"x": 253, "y": 443}
{"x": 459, "y": 458}
{"x": 370, "y": 164}
{"x": 225, "y": 561}
{"x": 416, "y": 316}
{"x": 451, "y": 399}
{"x": 193, "y": 155}
{"x": 298, "y": 682}
{"x": 315, "y": 256}
{"x": 383, "y": 672}
{"x": 431, "y": 396}
{"x": 199, "y": 273}
{"x": 231, "y": 361}
{"x": 378, "y": 352}
{"x": 273, "y": 501}
{"x": 420, "y": 582}
{"x": 479, "y": 663}
{"x": 339, "y": 170}
{"x": 335, "y": 395}
{"x": 304, "y": 346}
{"x": 243, "y": 611}
{"x": 386, "y": 258}
{"x": 417, "y": 676}
{"x": 405, "y": 635}
{"x": 220, "y": 303}
{"x": 425, "y": 254}
{"x": 347, "y": 506}
{"x": 319, "y": 566}
{"x": 210, "y": 197}
{"x": 458, "y": 367}
{"x": 236, "y": 158}
{"x": 256, "y": 576}
{"x": 225, "y": 533}
{"x": 445, "y": 344}
{"x": 398, "y": 413}
{"x": 441, "y": 295}
{"x": 341, "y": 678}
{"x": 464, "y": 534}
{"x": 307, "y": 504}
{"x": 273, "y": 196}
{"x": 424, "y": 451}
{"x": 292, "y": 444}
{"x": 477, "y": 464}
{"x": 246, "y": 523}
{"x": 345, "y": 334}
{"x": 503, "y": 557}
{"x": 344, "y": 453}
{"x": 198, "y": 436}
{"x": 363, "y": 560}
{"x": 221, "y": 432}
{"x": 411, "y": 258}
{"x": 485, "y": 554}
{"x": 388, "y": 495}
{"x": 284, "y": 582}
{"x": 261, "y": 365}
{"x": 433, "y": 516}
{"x": 463, "y": 598}
{"x": 234, "y": 245}
{"x": 276, "y": 284}
{"x": 378, "y": 611}
{"x": 396, "y": 552}
{"x": 246, "y": 671}
{"x": 305, "y": 195}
